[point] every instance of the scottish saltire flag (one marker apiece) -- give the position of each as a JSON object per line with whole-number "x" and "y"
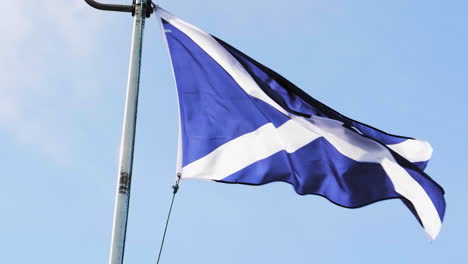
{"x": 241, "y": 122}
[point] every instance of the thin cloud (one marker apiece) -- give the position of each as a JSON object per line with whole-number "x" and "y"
{"x": 43, "y": 42}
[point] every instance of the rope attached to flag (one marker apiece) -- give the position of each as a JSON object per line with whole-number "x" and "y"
{"x": 175, "y": 188}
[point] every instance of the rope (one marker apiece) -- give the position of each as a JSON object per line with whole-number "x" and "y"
{"x": 175, "y": 189}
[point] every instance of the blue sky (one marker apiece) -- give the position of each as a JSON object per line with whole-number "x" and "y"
{"x": 400, "y": 66}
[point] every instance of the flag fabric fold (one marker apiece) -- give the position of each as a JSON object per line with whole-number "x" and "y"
{"x": 241, "y": 122}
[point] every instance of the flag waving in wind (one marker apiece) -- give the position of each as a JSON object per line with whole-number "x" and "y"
{"x": 241, "y": 122}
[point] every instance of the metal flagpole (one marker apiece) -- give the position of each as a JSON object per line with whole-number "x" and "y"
{"x": 140, "y": 10}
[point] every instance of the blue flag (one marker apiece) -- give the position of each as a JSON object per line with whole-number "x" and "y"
{"x": 241, "y": 122}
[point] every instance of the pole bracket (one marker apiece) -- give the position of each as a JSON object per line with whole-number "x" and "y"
{"x": 121, "y": 8}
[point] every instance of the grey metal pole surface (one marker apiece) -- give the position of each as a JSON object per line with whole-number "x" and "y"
{"x": 128, "y": 137}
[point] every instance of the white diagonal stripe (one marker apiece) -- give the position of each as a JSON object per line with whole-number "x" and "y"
{"x": 222, "y": 57}
{"x": 248, "y": 149}
{"x": 414, "y": 150}
{"x": 362, "y": 149}
{"x": 405, "y": 185}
